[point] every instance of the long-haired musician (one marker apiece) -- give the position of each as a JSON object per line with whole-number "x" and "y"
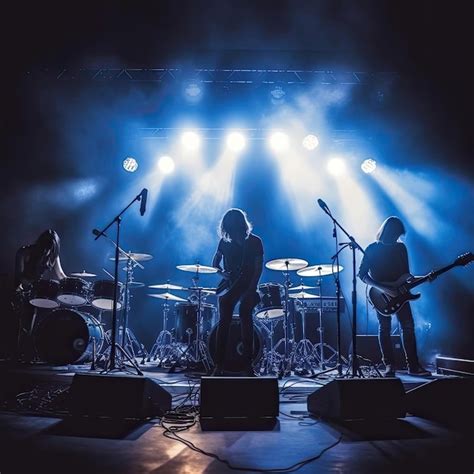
{"x": 385, "y": 261}
{"x": 242, "y": 255}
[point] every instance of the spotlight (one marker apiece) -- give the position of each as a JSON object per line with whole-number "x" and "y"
{"x": 336, "y": 166}
{"x": 166, "y": 164}
{"x": 310, "y": 142}
{"x": 279, "y": 141}
{"x": 277, "y": 95}
{"x": 191, "y": 140}
{"x": 193, "y": 90}
{"x": 130, "y": 164}
{"x": 368, "y": 166}
{"x": 235, "y": 141}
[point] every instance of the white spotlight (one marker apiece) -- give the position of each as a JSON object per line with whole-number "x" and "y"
{"x": 130, "y": 164}
{"x": 235, "y": 141}
{"x": 166, "y": 164}
{"x": 336, "y": 166}
{"x": 279, "y": 142}
{"x": 191, "y": 140}
{"x": 368, "y": 165}
{"x": 310, "y": 142}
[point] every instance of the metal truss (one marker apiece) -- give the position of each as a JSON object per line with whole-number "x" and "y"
{"x": 223, "y": 76}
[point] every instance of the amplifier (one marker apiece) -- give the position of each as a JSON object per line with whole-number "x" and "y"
{"x": 329, "y": 304}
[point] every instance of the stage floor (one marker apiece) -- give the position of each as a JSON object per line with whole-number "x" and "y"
{"x": 35, "y": 441}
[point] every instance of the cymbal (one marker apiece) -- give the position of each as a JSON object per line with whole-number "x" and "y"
{"x": 301, "y": 288}
{"x": 167, "y": 286}
{"x": 135, "y": 284}
{"x": 83, "y": 274}
{"x": 210, "y": 291}
{"x": 283, "y": 264}
{"x": 196, "y": 268}
{"x": 320, "y": 270}
{"x": 168, "y": 297}
{"x": 139, "y": 257}
{"x": 302, "y": 295}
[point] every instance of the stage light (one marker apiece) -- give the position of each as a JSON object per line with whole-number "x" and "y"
{"x": 166, "y": 164}
{"x": 235, "y": 141}
{"x": 191, "y": 140}
{"x": 310, "y": 142}
{"x": 130, "y": 164}
{"x": 336, "y": 166}
{"x": 279, "y": 141}
{"x": 193, "y": 90}
{"x": 368, "y": 166}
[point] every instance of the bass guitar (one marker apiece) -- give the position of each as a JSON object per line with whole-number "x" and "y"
{"x": 387, "y": 304}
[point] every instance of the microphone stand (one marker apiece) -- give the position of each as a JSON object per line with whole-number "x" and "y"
{"x": 113, "y": 347}
{"x": 354, "y": 246}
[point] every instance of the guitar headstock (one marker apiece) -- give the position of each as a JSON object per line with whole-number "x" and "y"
{"x": 464, "y": 259}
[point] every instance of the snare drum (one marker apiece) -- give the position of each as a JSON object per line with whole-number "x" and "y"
{"x": 270, "y": 306}
{"x": 73, "y": 291}
{"x": 102, "y": 295}
{"x": 44, "y": 293}
{"x": 67, "y": 336}
{"x": 186, "y": 320}
{"x": 234, "y": 361}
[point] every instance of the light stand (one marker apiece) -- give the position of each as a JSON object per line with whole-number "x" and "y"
{"x": 98, "y": 233}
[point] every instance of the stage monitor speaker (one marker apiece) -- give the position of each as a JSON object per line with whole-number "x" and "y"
{"x": 447, "y": 400}
{"x": 355, "y": 399}
{"x": 117, "y": 396}
{"x": 239, "y": 397}
{"x": 368, "y": 347}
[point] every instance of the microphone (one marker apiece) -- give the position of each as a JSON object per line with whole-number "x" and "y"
{"x": 324, "y": 206}
{"x": 96, "y": 232}
{"x": 143, "y": 196}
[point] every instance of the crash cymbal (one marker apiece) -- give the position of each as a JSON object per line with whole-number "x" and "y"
{"x": 139, "y": 257}
{"x": 83, "y": 274}
{"x": 167, "y": 296}
{"x": 196, "y": 268}
{"x": 302, "y": 295}
{"x": 167, "y": 286}
{"x": 320, "y": 270}
{"x": 301, "y": 288}
{"x": 283, "y": 264}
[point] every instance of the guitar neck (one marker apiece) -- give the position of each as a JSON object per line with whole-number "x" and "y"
{"x": 436, "y": 273}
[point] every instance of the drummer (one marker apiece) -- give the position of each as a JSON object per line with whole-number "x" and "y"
{"x": 33, "y": 262}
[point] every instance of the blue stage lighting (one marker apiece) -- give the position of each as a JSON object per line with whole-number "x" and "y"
{"x": 279, "y": 142}
{"x": 191, "y": 140}
{"x": 336, "y": 166}
{"x": 235, "y": 141}
{"x": 166, "y": 164}
{"x": 310, "y": 142}
{"x": 193, "y": 92}
{"x": 130, "y": 164}
{"x": 368, "y": 166}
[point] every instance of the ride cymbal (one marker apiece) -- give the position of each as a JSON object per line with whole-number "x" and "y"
{"x": 197, "y": 268}
{"x": 323, "y": 269}
{"x": 284, "y": 264}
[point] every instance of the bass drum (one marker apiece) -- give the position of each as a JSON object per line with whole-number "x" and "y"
{"x": 66, "y": 336}
{"x": 234, "y": 361}
{"x": 186, "y": 320}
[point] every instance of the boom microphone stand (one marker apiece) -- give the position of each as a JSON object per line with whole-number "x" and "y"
{"x": 354, "y": 246}
{"x": 118, "y": 219}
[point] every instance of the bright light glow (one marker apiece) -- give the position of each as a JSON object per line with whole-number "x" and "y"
{"x": 130, "y": 164}
{"x": 166, "y": 164}
{"x": 193, "y": 90}
{"x": 279, "y": 142}
{"x": 336, "y": 166}
{"x": 368, "y": 166}
{"x": 310, "y": 142}
{"x": 191, "y": 140}
{"x": 235, "y": 141}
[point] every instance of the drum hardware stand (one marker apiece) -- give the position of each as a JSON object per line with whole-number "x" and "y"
{"x": 286, "y": 362}
{"x": 353, "y": 246}
{"x": 111, "y": 363}
{"x": 303, "y": 354}
{"x": 163, "y": 347}
{"x": 271, "y": 359}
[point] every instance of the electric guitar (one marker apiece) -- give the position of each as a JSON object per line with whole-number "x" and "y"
{"x": 226, "y": 284}
{"x": 386, "y": 304}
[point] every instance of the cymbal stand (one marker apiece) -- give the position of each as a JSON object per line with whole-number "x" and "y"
{"x": 303, "y": 356}
{"x": 271, "y": 359}
{"x": 286, "y": 362}
{"x": 319, "y": 347}
{"x": 163, "y": 347}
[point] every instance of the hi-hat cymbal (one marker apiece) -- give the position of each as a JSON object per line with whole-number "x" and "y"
{"x": 166, "y": 286}
{"x": 197, "y": 268}
{"x": 139, "y": 257}
{"x": 284, "y": 264}
{"x": 320, "y": 270}
{"x": 302, "y": 295}
{"x": 83, "y": 274}
{"x": 301, "y": 288}
{"x": 168, "y": 297}
{"x": 135, "y": 284}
